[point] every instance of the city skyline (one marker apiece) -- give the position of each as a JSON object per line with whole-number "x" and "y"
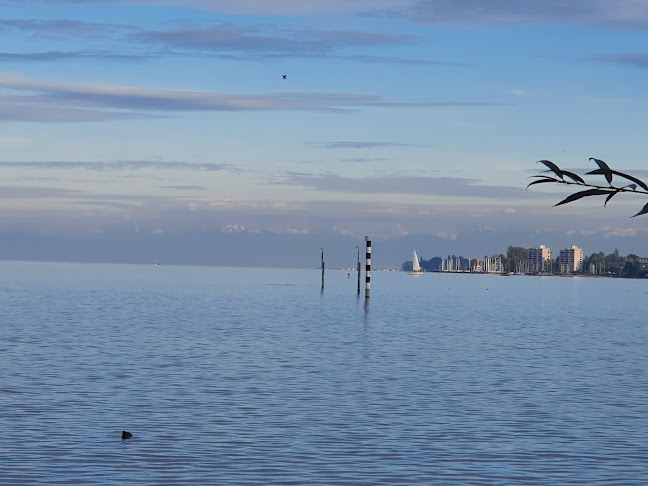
{"x": 164, "y": 129}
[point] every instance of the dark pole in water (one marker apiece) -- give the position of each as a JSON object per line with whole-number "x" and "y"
{"x": 322, "y": 269}
{"x": 358, "y": 268}
{"x": 368, "y": 268}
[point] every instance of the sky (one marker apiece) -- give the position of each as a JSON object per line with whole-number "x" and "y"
{"x": 143, "y": 130}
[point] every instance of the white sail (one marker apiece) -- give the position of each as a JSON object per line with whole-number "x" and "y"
{"x": 415, "y": 263}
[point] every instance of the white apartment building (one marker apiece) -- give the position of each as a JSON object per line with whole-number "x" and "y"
{"x": 539, "y": 259}
{"x": 571, "y": 259}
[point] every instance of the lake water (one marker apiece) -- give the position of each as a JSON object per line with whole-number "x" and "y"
{"x": 256, "y": 376}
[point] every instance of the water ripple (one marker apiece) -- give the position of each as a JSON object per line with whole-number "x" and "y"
{"x": 224, "y": 377}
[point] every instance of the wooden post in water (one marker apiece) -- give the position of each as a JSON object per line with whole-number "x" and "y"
{"x": 322, "y": 268}
{"x": 358, "y": 268}
{"x": 368, "y": 268}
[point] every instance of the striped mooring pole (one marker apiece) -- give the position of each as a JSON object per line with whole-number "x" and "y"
{"x": 368, "y": 268}
{"x": 323, "y": 266}
{"x": 358, "y": 269}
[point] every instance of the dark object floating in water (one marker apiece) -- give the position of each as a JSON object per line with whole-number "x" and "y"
{"x": 126, "y": 435}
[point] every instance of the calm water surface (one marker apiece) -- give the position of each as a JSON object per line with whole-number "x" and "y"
{"x": 255, "y": 376}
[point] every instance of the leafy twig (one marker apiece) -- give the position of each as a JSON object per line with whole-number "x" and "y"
{"x": 556, "y": 175}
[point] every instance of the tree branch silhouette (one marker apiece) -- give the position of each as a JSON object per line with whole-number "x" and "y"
{"x": 556, "y": 175}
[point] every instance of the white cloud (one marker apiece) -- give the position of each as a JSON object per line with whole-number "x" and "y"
{"x": 624, "y": 232}
{"x": 344, "y": 231}
{"x": 51, "y": 101}
{"x": 447, "y": 235}
{"x": 234, "y": 228}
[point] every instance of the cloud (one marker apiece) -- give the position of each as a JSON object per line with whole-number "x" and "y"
{"x": 588, "y": 12}
{"x": 59, "y": 28}
{"x": 447, "y": 235}
{"x": 49, "y": 101}
{"x": 52, "y": 31}
{"x": 399, "y": 184}
{"x": 219, "y": 40}
{"x": 121, "y": 165}
{"x": 636, "y": 59}
{"x": 292, "y": 7}
{"x": 264, "y": 41}
{"x": 80, "y": 198}
{"x": 363, "y": 160}
{"x": 63, "y": 55}
{"x": 632, "y": 13}
{"x": 361, "y": 145}
{"x": 27, "y": 192}
{"x": 259, "y": 7}
{"x": 88, "y": 201}
{"x": 185, "y": 188}
{"x": 628, "y": 13}
{"x": 623, "y": 232}
{"x": 234, "y": 228}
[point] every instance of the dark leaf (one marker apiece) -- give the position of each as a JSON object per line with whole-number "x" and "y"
{"x": 545, "y": 177}
{"x": 643, "y": 211}
{"x": 581, "y": 194}
{"x": 540, "y": 181}
{"x": 595, "y": 172}
{"x": 553, "y": 167}
{"x": 606, "y": 171}
{"x": 621, "y": 174}
{"x": 610, "y": 197}
{"x": 601, "y": 164}
{"x": 573, "y": 177}
{"x": 643, "y": 185}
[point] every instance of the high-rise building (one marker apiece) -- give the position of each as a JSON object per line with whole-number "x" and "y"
{"x": 571, "y": 259}
{"x": 539, "y": 259}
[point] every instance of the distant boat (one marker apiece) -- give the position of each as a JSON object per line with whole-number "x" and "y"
{"x": 416, "y": 268}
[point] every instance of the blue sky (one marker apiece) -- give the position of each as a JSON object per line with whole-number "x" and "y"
{"x": 160, "y": 123}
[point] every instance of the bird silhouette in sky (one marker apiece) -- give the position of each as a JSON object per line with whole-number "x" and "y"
{"x": 285, "y": 76}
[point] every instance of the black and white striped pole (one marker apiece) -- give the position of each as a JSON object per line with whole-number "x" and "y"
{"x": 368, "y": 268}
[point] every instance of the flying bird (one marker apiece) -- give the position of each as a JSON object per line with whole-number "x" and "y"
{"x": 285, "y": 76}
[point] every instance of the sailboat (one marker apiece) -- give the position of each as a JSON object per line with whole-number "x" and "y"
{"x": 416, "y": 268}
